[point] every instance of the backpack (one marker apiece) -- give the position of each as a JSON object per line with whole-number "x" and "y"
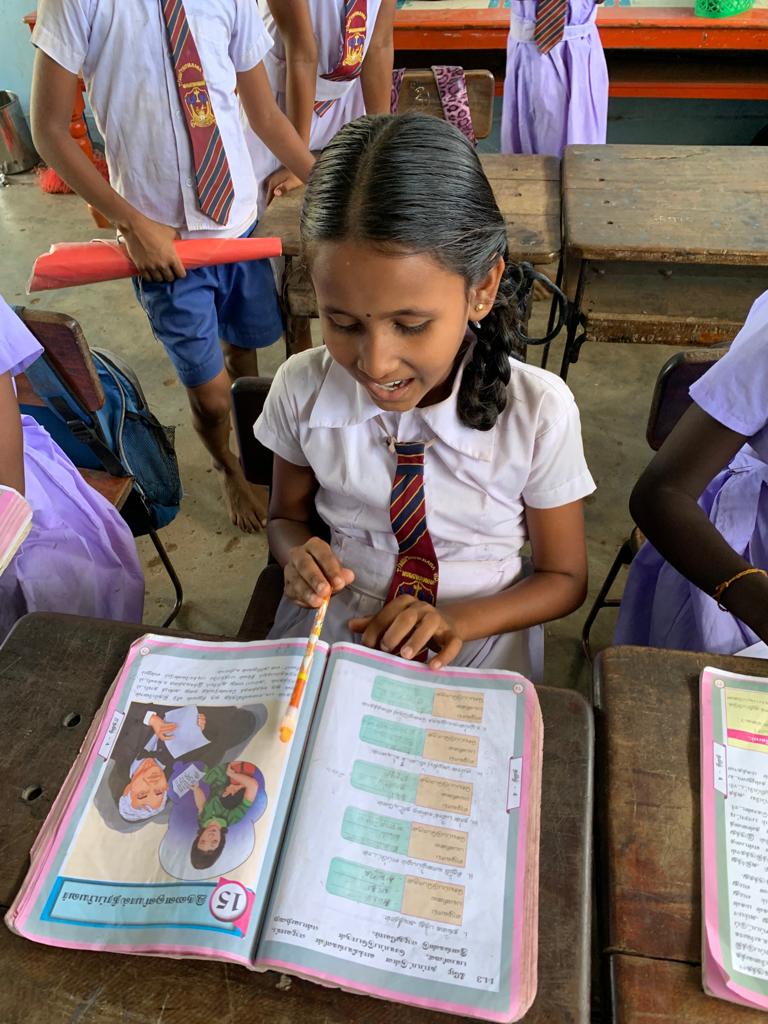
{"x": 123, "y": 438}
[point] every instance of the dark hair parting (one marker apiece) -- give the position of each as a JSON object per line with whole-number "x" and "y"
{"x": 415, "y": 183}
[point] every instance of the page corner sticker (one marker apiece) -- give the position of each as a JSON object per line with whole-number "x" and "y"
{"x": 514, "y": 783}
{"x": 111, "y": 734}
{"x": 720, "y": 763}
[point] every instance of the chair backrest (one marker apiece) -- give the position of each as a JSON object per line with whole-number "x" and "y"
{"x": 67, "y": 350}
{"x": 670, "y": 396}
{"x": 248, "y": 397}
{"x": 418, "y": 92}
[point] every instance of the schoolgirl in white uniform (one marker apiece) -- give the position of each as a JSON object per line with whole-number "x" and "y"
{"x": 431, "y": 455}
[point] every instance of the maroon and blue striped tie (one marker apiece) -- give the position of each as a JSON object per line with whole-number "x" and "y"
{"x": 416, "y": 570}
{"x": 215, "y": 192}
{"x": 550, "y": 23}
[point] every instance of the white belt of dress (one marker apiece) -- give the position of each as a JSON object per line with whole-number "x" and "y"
{"x": 522, "y": 30}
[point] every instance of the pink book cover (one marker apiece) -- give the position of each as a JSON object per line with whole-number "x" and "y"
{"x": 734, "y": 836}
{"x": 15, "y": 524}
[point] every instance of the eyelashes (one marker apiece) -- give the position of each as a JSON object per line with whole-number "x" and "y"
{"x": 407, "y": 329}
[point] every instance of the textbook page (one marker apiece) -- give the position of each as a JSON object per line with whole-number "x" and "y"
{"x": 165, "y": 834}
{"x": 734, "y": 766}
{"x": 401, "y": 871}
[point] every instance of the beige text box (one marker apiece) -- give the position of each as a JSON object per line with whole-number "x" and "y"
{"x": 434, "y": 901}
{"x": 451, "y": 747}
{"x": 444, "y": 794}
{"x": 441, "y": 845}
{"x": 461, "y": 705}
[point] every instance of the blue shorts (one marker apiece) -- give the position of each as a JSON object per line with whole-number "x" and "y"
{"x": 234, "y": 302}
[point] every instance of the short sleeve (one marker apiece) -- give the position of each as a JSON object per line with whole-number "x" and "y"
{"x": 733, "y": 390}
{"x": 18, "y": 348}
{"x": 278, "y": 426}
{"x": 63, "y": 30}
{"x": 250, "y": 41}
{"x": 559, "y": 472}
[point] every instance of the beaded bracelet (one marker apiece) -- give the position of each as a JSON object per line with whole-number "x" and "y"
{"x": 721, "y": 588}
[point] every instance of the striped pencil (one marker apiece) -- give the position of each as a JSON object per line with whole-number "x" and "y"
{"x": 291, "y": 717}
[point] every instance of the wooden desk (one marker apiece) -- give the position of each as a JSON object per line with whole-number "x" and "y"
{"x": 527, "y": 189}
{"x": 639, "y": 44}
{"x": 662, "y": 244}
{"x": 647, "y": 772}
{"x": 53, "y": 665}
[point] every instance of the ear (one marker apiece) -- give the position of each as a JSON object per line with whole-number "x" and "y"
{"x": 483, "y": 295}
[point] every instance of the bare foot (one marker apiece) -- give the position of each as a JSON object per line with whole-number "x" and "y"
{"x": 246, "y": 503}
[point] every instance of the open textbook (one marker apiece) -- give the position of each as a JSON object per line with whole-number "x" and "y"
{"x": 734, "y": 823}
{"x": 391, "y": 848}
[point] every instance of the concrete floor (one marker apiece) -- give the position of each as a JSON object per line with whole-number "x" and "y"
{"x": 217, "y": 564}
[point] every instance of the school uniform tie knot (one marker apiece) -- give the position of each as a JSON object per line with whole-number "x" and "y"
{"x": 550, "y": 23}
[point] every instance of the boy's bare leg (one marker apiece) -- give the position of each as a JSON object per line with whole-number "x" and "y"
{"x": 240, "y": 362}
{"x": 211, "y": 407}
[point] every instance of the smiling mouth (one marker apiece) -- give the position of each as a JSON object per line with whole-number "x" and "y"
{"x": 390, "y": 389}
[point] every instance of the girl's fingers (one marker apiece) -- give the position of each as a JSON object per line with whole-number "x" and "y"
{"x": 446, "y": 654}
{"x": 403, "y": 626}
{"x": 420, "y": 636}
{"x": 359, "y": 625}
{"x": 334, "y": 573}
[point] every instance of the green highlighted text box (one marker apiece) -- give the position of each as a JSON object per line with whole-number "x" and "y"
{"x": 403, "y": 695}
{"x": 377, "y": 888}
{"x": 376, "y": 830}
{"x": 380, "y": 732}
{"x": 389, "y": 782}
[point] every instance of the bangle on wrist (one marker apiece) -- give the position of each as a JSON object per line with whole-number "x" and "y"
{"x": 721, "y": 588}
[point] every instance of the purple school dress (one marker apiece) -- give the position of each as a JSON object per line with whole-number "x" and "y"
{"x": 557, "y": 99}
{"x": 79, "y": 556}
{"x": 660, "y": 608}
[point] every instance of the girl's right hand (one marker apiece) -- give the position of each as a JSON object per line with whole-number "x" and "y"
{"x": 312, "y": 572}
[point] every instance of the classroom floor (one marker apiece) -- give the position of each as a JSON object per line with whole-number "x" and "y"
{"x": 217, "y": 564}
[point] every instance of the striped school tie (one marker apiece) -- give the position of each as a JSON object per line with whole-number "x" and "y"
{"x": 416, "y": 570}
{"x": 215, "y": 192}
{"x": 550, "y": 23}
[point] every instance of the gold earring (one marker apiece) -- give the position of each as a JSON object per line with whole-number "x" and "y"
{"x": 479, "y": 306}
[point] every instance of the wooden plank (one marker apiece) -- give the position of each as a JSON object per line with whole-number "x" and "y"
{"x": 55, "y": 664}
{"x": 419, "y": 93}
{"x": 618, "y": 204}
{"x": 661, "y": 992}
{"x": 648, "y": 797}
{"x": 659, "y": 304}
{"x": 114, "y": 489}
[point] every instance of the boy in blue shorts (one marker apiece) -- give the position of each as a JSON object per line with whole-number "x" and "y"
{"x": 164, "y": 79}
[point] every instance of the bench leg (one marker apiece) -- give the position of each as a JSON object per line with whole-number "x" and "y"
{"x": 298, "y": 334}
{"x": 574, "y": 340}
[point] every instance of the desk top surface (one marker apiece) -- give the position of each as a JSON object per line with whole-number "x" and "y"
{"x": 682, "y": 204}
{"x": 648, "y": 796}
{"x": 56, "y": 665}
{"x": 527, "y": 189}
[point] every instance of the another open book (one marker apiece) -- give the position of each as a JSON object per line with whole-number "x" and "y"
{"x": 391, "y": 848}
{"x": 734, "y": 836}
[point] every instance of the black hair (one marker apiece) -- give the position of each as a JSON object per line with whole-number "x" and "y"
{"x": 202, "y": 859}
{"x": 414, "y": 183}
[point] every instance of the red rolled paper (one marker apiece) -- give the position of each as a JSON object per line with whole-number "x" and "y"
{"x": 72, "y": 263}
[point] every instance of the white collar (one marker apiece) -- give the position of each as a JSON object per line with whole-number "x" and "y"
{"x": 342, "y": 402}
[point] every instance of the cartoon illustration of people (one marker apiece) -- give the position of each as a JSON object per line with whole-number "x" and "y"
{"x": 223, "y": 797}
{"x": 154, "y": 738}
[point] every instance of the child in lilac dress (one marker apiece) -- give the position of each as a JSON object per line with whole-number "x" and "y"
{"x": 556, "y": 99}
{"x": 80, "y": 556}
{"x": 660, "y": 607}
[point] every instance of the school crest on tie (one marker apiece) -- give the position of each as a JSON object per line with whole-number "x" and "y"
{"x": 194, "y": 90}
{"x": 418, "y": 576}
{"x": 355, "y": 30}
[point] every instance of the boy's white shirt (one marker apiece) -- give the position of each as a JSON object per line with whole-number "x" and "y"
{"x": 121, "y": 48}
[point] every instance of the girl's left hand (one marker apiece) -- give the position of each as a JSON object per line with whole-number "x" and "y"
{"x": 410, "y": 625}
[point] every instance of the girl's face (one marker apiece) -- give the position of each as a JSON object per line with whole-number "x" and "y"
{"x": 395, "y": 322}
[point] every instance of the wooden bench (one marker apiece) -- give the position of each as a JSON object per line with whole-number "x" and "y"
{"x": 647, "y": 772}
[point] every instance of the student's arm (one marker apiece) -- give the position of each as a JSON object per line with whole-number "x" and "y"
{"x": 376, "y": 76}
{"x": 249, "y": 784}
{"x": 295, "y": 26}
{"x": 12, "y": 447}
{"x": 557, "y": 586}
{"x": 149, "y": 244}
{"x": 664, "y": 504}
{"x": 270, "y": 123}
{"x": 310, "y": 568}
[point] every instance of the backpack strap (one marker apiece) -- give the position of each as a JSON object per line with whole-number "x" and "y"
{"x": 48, "y": 385}
{"x": 452, "y": 87}
{"x": 397, "y": 83}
